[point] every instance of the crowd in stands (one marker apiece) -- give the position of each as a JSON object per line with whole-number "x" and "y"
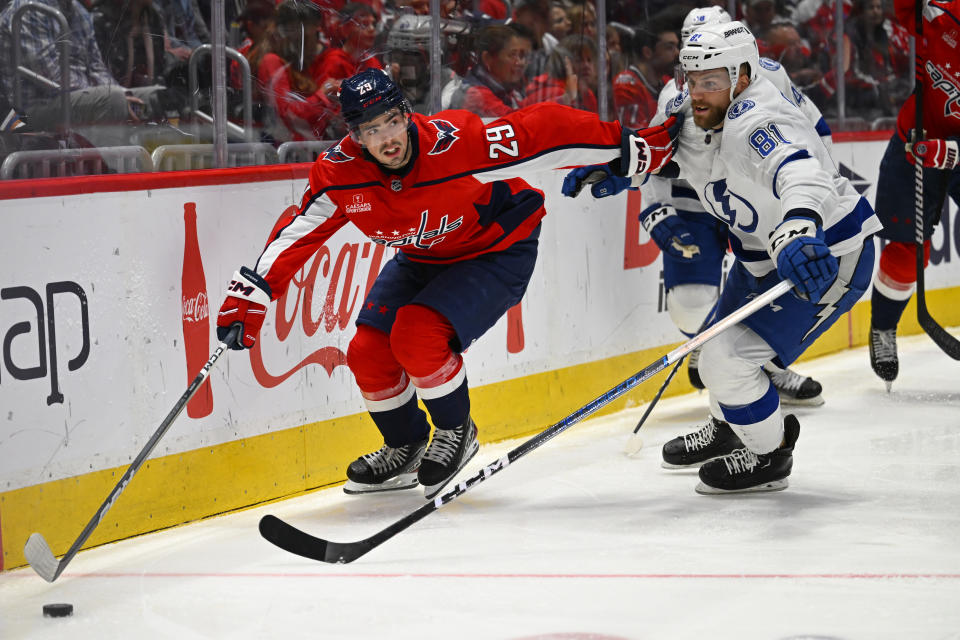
{"x": 128, "y": 59}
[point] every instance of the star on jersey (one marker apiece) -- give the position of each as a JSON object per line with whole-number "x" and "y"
{"x": 417, "y": 237}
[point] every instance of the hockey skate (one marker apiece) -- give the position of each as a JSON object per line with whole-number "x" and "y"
{"x": 713, "y": 440}
{"x": 795, "y": 389}
{"x": 449, "y": 451}
{"x": 883, "y": 354}
{"x": 693, "y": 371}
{"x": 744, "y": 471}
{"x": 387, "y": 469}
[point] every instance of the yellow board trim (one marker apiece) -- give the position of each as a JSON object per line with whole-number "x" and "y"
{"x": 180, "y": 488}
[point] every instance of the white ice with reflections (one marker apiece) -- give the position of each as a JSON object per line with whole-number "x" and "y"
{"x": 577, "y": 541}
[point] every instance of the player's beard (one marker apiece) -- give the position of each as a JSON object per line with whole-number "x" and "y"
{"x": 711, "y": 118}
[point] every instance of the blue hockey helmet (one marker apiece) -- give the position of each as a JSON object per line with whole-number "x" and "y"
{"x": 369, "y": 94}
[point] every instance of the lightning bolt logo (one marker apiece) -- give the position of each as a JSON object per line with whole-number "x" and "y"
{"x": 828, "y": 304}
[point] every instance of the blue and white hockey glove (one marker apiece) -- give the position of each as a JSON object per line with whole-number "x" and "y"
{"x": 604, "y": 182}
{"x": 670, "y": 232}
{"x": 802, "y": 257}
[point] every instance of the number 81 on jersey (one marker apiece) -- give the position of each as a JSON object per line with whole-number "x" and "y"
{"x": 765, "y": 139}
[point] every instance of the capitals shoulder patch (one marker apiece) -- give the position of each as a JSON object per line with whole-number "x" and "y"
{"x": 446, "y": 136}
{"x": 335, "y": 154}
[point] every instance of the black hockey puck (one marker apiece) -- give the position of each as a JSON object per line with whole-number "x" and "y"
{"x": 59, "y": 610}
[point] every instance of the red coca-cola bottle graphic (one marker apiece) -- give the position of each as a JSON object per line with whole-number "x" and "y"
{"x": 196, "y": 314}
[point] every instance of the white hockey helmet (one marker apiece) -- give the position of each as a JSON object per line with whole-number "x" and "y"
{"x": 701, "y": 17}
{"x": 721, "y": 46}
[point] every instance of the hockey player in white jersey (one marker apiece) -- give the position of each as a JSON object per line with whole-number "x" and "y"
{"x": 760, "y": 167}
{"x": 692, "y": 276}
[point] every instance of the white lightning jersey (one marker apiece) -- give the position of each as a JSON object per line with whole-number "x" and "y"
{"x": 677, "y": 192}
{"x": 765, "y": 161}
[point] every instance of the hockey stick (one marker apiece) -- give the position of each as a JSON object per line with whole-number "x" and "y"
{"x": 291, "y": 539}
{"x": 38, "y": 552}
{"x": 635, "y": 443}
{"x": 946, "y": 342}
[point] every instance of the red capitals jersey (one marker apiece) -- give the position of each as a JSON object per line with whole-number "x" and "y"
{"x": 940, "y": 51}
{"x": 457, "y": 198}
{"x": 634, "y": 99}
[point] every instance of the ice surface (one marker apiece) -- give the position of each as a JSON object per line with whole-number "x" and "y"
{"x": 576, "y": 540}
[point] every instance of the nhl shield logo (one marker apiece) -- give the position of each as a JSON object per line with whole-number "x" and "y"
{"x": 396, "y": 185}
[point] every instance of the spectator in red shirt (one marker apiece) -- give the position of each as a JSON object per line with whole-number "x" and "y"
{"x": 492, "y": 88}
{"x": 358, "y": 28}
{"x": 571, "y": 75}
{"x": 286, "y": 67}
{"x": 653, "y": 57}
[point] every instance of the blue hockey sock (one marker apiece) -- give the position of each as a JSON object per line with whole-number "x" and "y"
{"x": 451, "y": 410}
{"x": 403, "y": 425}
{"x": 885, "y": 312}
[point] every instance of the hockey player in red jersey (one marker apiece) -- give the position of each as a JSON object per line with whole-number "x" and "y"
{"x": 937, "y": 150}
{"x": 442, "y": 190}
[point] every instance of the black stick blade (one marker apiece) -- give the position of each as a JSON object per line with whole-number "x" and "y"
{"x": 947, "y": 343}
{"x": 293, "y": 540}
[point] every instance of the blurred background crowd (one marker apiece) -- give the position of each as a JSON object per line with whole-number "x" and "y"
{"x": 138, "y": 71}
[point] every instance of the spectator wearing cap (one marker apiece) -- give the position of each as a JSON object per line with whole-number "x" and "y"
{"x": 492, "y": 88}
{"x": 653, "y": 57}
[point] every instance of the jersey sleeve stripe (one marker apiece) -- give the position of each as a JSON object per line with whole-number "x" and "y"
{"x": 802, "y": 154}
{"x": 552, "y": 158}
{"x": 850, "y": 225}
{"x": 823, "y": 128}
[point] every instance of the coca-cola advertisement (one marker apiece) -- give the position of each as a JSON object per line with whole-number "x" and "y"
{"x": 195, "y": 308}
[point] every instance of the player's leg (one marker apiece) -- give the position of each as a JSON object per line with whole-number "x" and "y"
{"x": 693, "y": 286}
{"x": 426, "y": 344}
{"x": 794, "y": 388}
{"x": 385, "y": 387}
{"x": 896, "y": 277}
{"x": 389, "y": 395}
{"x": 742, "y": 395}
{"x": 688, "y": 305}
{"x": 893, "y": 285}
{"x": 453, "y": 310}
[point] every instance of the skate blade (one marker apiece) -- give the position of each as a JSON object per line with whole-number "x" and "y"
{"x": 815, "y": 401}
{"x": 399, "y": 483}
{"x": 682, "y": 467}
{"x": 431, "y": 490}
{"x": 695, "y": 466}
{"x": 775, "y": 485}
